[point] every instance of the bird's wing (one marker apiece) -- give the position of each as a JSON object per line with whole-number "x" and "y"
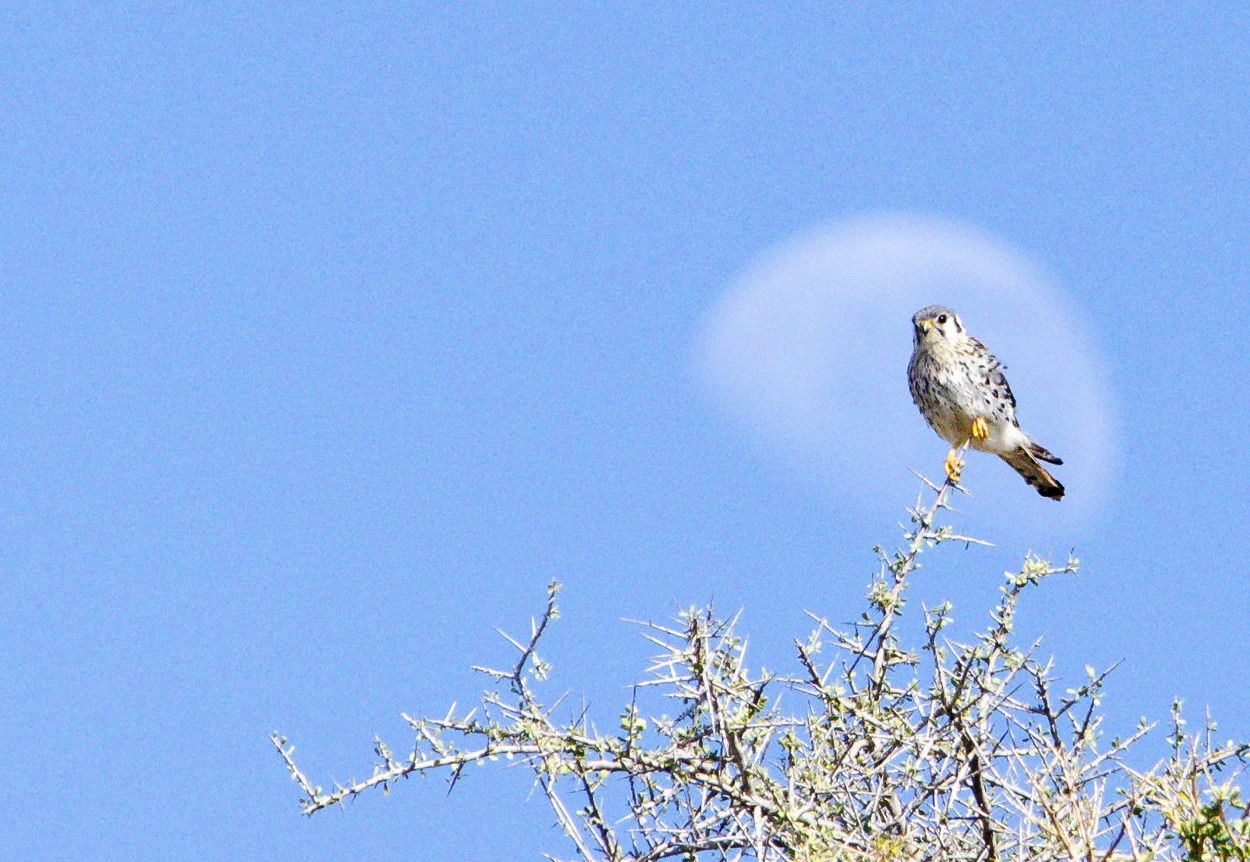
{"x": 994, "y": 373}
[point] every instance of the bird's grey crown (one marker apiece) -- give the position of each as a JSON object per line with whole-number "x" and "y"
{"x": 931, "y": 312}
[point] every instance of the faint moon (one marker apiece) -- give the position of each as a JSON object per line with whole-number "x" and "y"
{"x": 809, "y": 346}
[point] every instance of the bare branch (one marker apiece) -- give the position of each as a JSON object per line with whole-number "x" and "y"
{"x": 938, "y": 750}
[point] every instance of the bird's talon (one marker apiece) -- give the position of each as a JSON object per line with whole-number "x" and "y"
{"x": 954, "y": 466}
{"x": 980, "y": 428}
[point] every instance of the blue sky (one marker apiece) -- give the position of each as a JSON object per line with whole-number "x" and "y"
{"x": 331, "y": 336}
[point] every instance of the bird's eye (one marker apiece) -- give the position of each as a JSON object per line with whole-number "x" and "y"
{"x": 941, "y": 319}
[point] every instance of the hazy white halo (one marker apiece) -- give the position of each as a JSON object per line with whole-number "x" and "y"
{"x": 810, "y": 344}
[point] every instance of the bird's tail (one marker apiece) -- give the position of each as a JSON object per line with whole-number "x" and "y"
{"x": 1037, "y": 450}
{"x": 1025, "y": 462}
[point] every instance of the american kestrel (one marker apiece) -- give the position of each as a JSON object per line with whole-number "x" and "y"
{"x": 961, "y": 391}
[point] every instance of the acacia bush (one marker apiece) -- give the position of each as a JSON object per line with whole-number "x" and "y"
{"x": 871, "y": 749}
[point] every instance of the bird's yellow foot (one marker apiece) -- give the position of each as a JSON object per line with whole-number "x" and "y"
{"x": 954, "y": 465}
{"x": 980, "y": 428}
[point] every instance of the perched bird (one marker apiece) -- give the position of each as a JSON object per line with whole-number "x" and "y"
{"x": 961, "y": 391}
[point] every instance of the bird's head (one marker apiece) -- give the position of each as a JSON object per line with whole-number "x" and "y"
{"x": 936, "y": 324}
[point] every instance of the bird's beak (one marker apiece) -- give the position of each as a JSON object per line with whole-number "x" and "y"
{"x": 925, "y": 326}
